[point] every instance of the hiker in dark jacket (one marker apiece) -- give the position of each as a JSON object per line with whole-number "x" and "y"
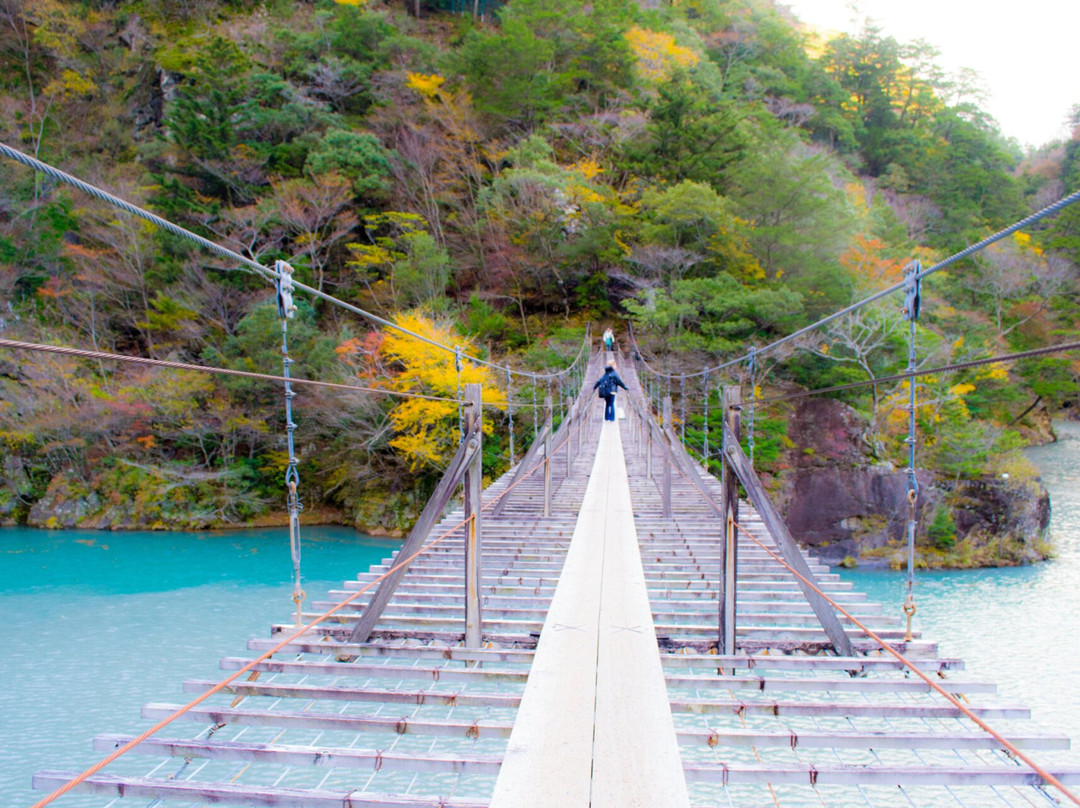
{"x": 606, "y": 385}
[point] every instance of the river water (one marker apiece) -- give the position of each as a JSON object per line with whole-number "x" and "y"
{"x": 1016, "y": 626}
{"x": 93, "y": 625}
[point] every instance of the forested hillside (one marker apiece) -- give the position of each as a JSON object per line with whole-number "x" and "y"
{"x": 712, "y": 170}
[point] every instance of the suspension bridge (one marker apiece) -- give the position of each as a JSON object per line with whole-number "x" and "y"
{"x": 605, "y": 624}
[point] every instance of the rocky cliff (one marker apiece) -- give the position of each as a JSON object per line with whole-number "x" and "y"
{"x": 852, "y": 509}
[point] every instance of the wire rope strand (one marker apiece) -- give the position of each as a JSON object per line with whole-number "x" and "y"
{"x": 1038, "y": 216}
{"x": 292, "y": 476}
{"x": 510, "y": 412}
{"x": 1063, "y": 347}
{"x": 84, "y": 353}
{"x": 265, "y": 272}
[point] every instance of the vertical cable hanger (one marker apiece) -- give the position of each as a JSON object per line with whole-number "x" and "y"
{"x": 705, "y": 441}
{"x": 461, "y": 401}
{"x": 752, "y": 364}
{"x": 682, "y": 405}
{"x": 510, "y": 412}
{"x": 286, "y": 310}
{"x": 912, "y": 305}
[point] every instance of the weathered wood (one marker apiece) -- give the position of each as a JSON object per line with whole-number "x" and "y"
{"x": 586, "y": 686}
{"x": 875, "y": 775}
{"x": 729, "y": 542}
{"x": 547, "y": 458}
{"x": 310, "y": 719}
{"x": 239, "y": 793}
{"x": 666, "y": 483}
{"x": 380, "y": 650}
{"x": 450, "y": 698}
{"x": 571, "y": 416}
{"x": 295, "y": 755}
{"x": 469, "y": 449}
{"x": 474, "y": 486}
{"x": 788, "y": 549}
{"x": 881, "y": 739}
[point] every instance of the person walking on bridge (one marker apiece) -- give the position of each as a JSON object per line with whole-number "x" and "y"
{"x": 606, "y": 386}
{"x": 609, "y": 340}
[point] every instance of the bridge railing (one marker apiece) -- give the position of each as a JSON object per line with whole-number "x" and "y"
{"x": 737, "y": 469}
{"x": 465, "y": 469}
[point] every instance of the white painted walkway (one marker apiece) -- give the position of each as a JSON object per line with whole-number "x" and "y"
{"x": 594, "y": 727}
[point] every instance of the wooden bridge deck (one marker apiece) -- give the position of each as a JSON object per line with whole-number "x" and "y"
{"x": 412, "y": 718}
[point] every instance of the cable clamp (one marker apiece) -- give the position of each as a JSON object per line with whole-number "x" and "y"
{"x": 285, "y": 288}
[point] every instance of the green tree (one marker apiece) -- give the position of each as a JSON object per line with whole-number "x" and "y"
{"x": 693, "y": 132}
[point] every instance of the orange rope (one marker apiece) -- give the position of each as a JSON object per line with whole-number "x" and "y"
{"x": 113, "y": 756}
{"x": 1045, "y": 775}
{"x": 1012, "y": 749}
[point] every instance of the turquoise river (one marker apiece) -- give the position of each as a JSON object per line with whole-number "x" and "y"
{"x": 96, "y": 624}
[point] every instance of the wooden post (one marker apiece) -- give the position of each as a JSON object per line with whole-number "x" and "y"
{"x": 667, "y": 460}
{"x": 431, "y": 514}
{"x": 786, "y": 545}
{"x": 729, "y": 543}
{"x": 569, "y": 431}
{"x": 547, "y": 456}
{"x": 474, "y": 473}
{"x": 648, "y": 449}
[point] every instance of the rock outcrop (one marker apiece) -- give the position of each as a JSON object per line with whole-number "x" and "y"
{"x": 842, "y": 503}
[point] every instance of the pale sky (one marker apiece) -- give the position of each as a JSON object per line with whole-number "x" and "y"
{"x": 1025, "y": 52}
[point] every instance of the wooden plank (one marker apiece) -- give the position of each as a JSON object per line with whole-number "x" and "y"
{"x": 852, "y": 775}
{"x": 240, "y": 794}
{"x": 733, "y": 453}
{"x": 449, "y": 698}
{"x": 721, "y": 738}
{"x": 842, "y": 709}
{"x": 473, "y": 484}
{"x": 295, "y": 755}
{"x": 675, "y": 660}
{"x": 635, "y": 751}
{"x": 418, "y": 535}
{"x": 548, "y": 759}
{"x": 334, "y": 721}
{"x": 729, "y": 517}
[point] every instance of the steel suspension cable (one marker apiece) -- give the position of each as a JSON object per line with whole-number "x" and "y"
{"x": 64, "y": 350}
{"x": 990, "y": 360}
{"x": 127, "y": 747}
{"x": 1049, "y": 210}
{"x": 955, "y": 702}
{"x": 254, "y": 266}
{"x": 1039, "y": 215}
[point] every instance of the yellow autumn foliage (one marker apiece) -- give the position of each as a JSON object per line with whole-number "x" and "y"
{"x": 587, "y": 167}
{"x": 427, "y": 86}
{"x": 657, "y": 53}
{"x": 997, "y": 371}
{"x": 427, "y": 430}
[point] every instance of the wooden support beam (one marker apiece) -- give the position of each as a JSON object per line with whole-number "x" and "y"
{"x": 879, "y": 739}
{"x": 861, "y": 775}
{"x": 296, "y": 755}
{"x": 474, "y": 487}
{"x": 440, "y": 498}
{"x": 241, "y": 794}
{"x": 442, "y": 727}
{"x": 788, "y": 549}
{"x": 571, "y": 415}
{"x": 731, "y": 403}
{"x": 547, "y": 457}
{"x": 665, "y": 490}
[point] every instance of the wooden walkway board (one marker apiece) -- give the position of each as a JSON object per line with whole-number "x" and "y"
{"x": 594, "y": 726}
